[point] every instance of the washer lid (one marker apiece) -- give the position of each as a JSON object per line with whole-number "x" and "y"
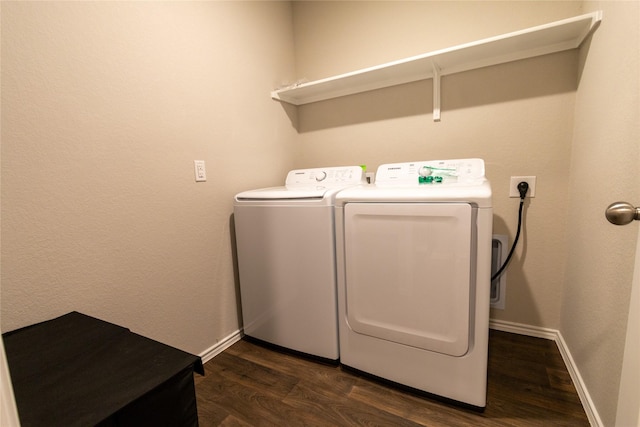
{"x": 283, "y": 193}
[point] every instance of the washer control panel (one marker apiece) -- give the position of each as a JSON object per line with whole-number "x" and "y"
{"x": 431, "y": 172}
{"x": 326, "y": 177}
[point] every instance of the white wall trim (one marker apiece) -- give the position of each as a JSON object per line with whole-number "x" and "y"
{"x": 555, "y": 335}
{"x": 221, "y": 346}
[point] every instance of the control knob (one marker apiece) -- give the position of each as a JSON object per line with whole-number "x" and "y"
{"x": 425, "y": 171}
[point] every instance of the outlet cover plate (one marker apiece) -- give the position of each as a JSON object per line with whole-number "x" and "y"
{"x": 515, "y": 180}
{"x": 200, "y": 170}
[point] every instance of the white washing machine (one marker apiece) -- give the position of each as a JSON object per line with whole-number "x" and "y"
{"x": 286, "y": 260}
{"x": 414, "y": 267}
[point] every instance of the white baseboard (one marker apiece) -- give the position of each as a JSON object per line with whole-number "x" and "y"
{"x": 521, "y": 329}
{"x": 220, "y": 346}
{"x": 555, "y": 335}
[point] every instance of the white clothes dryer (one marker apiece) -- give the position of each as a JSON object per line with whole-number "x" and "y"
{"x": 414, "y": 266}
{"x": 285, "y": 240}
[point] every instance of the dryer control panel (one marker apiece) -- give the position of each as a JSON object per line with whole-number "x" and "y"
{"x": 326, "y": 177}
{"x": 431, "y": 172}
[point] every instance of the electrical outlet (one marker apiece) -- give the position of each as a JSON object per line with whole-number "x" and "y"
{"x": 515, "y": 180}
{"x": 201, "y": 173}
{"x": 369, "y": 177}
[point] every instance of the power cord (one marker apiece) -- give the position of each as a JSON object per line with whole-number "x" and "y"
{"x": 523, "y": 187}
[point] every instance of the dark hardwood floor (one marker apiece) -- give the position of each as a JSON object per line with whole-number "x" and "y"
{"x": 250, "y": 385}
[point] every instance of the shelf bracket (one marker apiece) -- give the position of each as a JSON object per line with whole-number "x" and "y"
{"x": 436, "y": 92}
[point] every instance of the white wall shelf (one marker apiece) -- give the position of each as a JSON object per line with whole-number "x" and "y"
{"x": 541, "y": 40}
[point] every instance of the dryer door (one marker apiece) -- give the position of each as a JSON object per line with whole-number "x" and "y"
{"x": 409, "y": 273}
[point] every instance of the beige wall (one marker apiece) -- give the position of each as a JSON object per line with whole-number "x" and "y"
{"x": 517, "y": 116}
{"x": 604, "y": 168}
{"x": 105, "y": 105}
